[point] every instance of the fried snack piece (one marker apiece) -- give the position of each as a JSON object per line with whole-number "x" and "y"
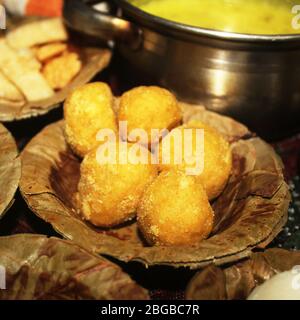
{"x": 8, "y": 91}
{"x": 87, "y": 110}
{"x": 215, "y": 159}
{"x": 23, "y": 74}
{"x": 149, "y": 108}
{"x": 50, "y": 50}
{"x": 175, "y": 210}
{"x": 36, "y": 33}
{"x": 61, "y": 70}
{"x": 29, "y": 59}
{"x": 109, "y": 192}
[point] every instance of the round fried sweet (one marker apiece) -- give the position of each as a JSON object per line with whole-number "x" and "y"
{"x": 87, "y": 110}
{"x": 175, "y": 210}
{"x": 215, "y": 156}
{"x": 149, "y": 108}
{"x": 109, "y": 192}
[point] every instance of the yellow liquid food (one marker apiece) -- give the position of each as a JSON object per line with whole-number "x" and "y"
{"x": 239, "y": 16}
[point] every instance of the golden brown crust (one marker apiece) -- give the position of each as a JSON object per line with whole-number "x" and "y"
{"x": 60, "y": 71}
{"x": 109, "y": 193}
{"x": 175, "y": 210}
{"x": 50, "y": 50}
{"x": 217, "y": 158}
{"x": 149, "y": 108}
{"x": 87, "y": 110}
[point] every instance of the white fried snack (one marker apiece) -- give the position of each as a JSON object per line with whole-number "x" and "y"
{"x": 29, "y": 59}
{"x": 22, "y": 72}
{"x": 8, "y": 91}
{"x": 36, "y": 33}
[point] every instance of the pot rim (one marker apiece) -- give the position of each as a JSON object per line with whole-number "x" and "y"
{"x": 199, "y": 32}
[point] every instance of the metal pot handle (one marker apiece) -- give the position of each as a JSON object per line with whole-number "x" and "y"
{"x": 78, "y": 15}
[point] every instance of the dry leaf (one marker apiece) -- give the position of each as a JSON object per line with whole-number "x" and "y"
{"x": 249, "y": 214}
{"x": 10, "y": 169}
{"x": 41, "y": 268}
{"x": 236, "y": 282}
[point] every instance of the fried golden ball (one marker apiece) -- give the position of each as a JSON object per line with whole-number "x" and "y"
{"x": 216, "y": 157}
{"x": 175, "y": 210}
{"x": 149, "y": 108}
{"x": 109, "y": 191}
{"x": 87, "y": 110}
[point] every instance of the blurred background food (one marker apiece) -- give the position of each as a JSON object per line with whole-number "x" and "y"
{"x": 40, "y": 64}
{"x": 36, "y": 60}
{"x": 49, "y": 8}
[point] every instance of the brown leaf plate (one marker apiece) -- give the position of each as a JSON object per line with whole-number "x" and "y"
{"x": 249, "y": 214}
{"x": 236, "y": 282}
{"x": 41, "y": 268}
{"x": 93, "y": 60}
{"x": 10, "y": 169}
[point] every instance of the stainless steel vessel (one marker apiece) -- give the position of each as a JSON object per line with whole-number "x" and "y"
{"x": 253, "y": 78}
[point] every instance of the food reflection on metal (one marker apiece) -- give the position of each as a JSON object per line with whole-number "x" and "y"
{"x": 90, "y": 21}
{"x": 2, "y": 18}
{"x": 219, "y": 83}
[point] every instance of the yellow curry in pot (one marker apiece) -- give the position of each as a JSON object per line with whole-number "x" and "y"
{"x": 239, "y": 16}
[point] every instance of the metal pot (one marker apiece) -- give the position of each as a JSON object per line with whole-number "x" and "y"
{"x": 253, "y": 78}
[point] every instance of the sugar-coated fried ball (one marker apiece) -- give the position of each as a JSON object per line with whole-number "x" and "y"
{"x": 87, "y": 110}
{"x": 149, "y": 108}
{"x": 216, "y": 157}
{"x": 175, "y": 210}
{"x": 109, "y": 191}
